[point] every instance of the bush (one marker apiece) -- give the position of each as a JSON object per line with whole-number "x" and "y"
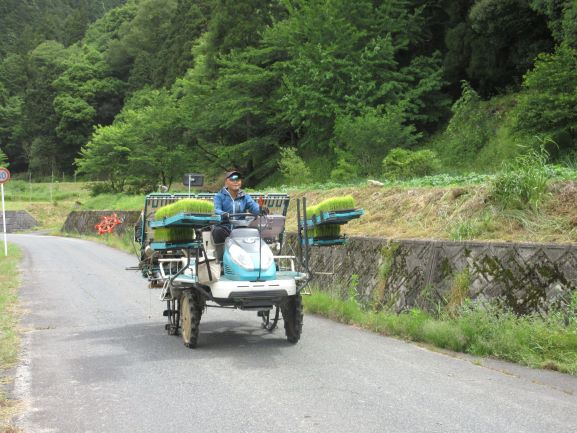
{"x": 479, "y": 135}
{"x": 98, "y": 188}
{"x": 522, "y": 183}
{"x": 293, "y": 168}
{"x": 405, "y": 164}
{"x": 467, "y": 132}
{"x": 346, "y": 169}
{"x": 367, "y": 138}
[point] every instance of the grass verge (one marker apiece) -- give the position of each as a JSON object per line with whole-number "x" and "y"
{"x": 120, "y": 242}
{"x": 480, "y": 330}
{"x": 9, "y": 339}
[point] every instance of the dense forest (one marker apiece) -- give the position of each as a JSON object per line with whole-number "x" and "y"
{"x": 138, "y": 92}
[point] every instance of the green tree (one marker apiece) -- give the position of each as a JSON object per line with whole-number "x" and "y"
{"x": 87, "y": 95}
{"x": 339, "y": 59}
{"x": 231, "y": 120}
{"x": 13, "y": 73}
{"x": 3, "y": 159}
{"x": 562, "y": 19}
{"x": 367, "y": 138}
{"x": 190, "y": 20}
{"x": 237, "y": 25}
{"x": 46, "y": 62}
{"x": 105, "y": 156}
{"x": 159, "y": 154}
{"x": 107, "y": 29}
{"x": 548, "y": 103}
{"x": 134, "y": 56}
{"x": 509, "y": 35}
{"x": 492, "y": 43}
{"x": 27, "y": 23}
{"x": 11, "y": 128}
{"x": 143, "y": 147}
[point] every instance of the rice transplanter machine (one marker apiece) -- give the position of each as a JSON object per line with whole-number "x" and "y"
{"x": 249, "y": 277}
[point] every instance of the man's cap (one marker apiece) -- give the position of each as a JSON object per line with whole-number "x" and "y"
{"x": 232, "y": 174}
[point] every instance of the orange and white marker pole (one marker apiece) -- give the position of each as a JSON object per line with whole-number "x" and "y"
{"x": 4, "y": 177}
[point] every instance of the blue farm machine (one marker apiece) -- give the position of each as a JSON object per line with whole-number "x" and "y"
{"x": 177, "y": 255}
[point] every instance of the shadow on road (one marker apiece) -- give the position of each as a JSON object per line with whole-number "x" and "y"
{"x": 104, "y": 354}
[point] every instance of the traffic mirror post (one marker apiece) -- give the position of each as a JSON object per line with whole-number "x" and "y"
{"x": 4, "y": 177}
{"x": 4, "y": 222}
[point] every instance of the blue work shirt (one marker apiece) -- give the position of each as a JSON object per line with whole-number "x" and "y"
{"x": 243, "y": 203}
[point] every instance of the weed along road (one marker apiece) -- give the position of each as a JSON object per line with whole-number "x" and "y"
{"x": 96, "y": 358}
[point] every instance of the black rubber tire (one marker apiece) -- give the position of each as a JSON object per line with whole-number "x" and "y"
{"x": 191, "y": 307}
{"x": 292, "y": 313}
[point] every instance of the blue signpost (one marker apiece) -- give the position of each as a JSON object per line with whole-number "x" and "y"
{"x": 4, "y": 177}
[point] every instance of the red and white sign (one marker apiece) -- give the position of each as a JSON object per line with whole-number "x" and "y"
{"x": 4, "y": 175}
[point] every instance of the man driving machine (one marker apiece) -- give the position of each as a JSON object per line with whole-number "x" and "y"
{"x": 231, "y": 199}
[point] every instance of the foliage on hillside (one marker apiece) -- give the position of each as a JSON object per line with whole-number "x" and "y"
{"x": 137, "y": 92}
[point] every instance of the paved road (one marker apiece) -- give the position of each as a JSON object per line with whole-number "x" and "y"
{"x": 97, "y": 359}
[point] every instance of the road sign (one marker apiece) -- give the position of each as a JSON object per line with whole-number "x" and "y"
{"x": 193, "y": 179}
{"x": 4, "y": 175}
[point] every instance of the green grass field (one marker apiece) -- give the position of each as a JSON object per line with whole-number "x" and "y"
{"x": 485, "y": 331}
{"x": 9, "y": 338}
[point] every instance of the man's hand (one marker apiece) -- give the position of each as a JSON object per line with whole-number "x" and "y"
{"x": 224, "y": 216}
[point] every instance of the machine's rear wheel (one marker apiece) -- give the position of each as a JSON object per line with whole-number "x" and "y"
{"x": 270, "y": 318}
{"x": 292, "y": 313}
{"x": 191, "y": 306}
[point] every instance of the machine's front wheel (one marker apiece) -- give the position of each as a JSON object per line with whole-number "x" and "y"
{"x": 292, "y": 313}
{"x": 191, "y": 306}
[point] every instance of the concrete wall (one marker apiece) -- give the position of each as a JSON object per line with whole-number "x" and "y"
{"x": 406, "y": 273}
{"x": 17, "y": 220}
{"x": 84, "y": 222}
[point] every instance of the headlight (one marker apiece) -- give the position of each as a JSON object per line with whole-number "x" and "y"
{"x": 240, "y": 257}
{"x": 266, "y": 258}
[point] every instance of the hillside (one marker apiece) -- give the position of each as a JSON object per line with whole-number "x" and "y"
{"x": 457, "y": 213}
{"x": 461, "y": 212}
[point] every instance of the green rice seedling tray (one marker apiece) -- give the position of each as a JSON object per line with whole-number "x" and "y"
{"x": 321, "y": 242}
{"x": 186, "y": 219}
{"x": 335, "y": 217}
{"x": 157, "y": 246}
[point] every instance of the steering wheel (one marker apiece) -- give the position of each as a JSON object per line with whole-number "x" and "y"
{"x": 241, "y": 219}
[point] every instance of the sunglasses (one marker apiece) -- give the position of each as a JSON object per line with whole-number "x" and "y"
{"x": 234, "y": 178}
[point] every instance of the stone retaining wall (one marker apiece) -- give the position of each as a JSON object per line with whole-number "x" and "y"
{"x": 405, "y": 273}
{"x": 17, "y": 220}
{"x": 84, "y": 222}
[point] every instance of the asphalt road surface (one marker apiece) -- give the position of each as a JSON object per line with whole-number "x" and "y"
{"x": 96, "y": 358}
